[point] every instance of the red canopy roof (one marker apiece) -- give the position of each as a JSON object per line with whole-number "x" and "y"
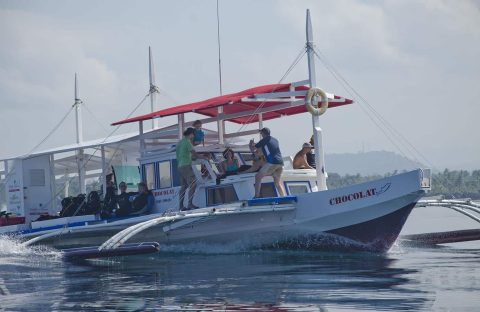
{"x": 242, "y": 101}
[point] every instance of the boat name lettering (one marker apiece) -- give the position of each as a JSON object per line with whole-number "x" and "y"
{"x": 359, "y": 195}
{"x": 164, "y": 192}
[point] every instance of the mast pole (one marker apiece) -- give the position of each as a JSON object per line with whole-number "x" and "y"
{"x": 317, "y": 131}
{"x": 78, "y": 113}
{"x": 79, "y": 128}
{"x": 153, "y": 88}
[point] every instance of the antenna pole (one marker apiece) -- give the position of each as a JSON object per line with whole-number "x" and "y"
{"x": 219, "y": 51}
{"x": 317, "y": 131}
{"x": 153, "y": 88}
{"x": 220, "y": 122}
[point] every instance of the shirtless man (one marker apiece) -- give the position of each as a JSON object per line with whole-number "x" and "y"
{"x": 300, "y": 160}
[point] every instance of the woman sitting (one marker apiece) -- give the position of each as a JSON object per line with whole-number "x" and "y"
{"x": 230, "y": 165}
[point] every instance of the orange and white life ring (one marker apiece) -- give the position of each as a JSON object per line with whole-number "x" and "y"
{"x": 308, "y": 101}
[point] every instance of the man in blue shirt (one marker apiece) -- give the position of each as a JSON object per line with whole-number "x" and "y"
{"x": 144, "y": 201}
{"x": 274, "y": 162}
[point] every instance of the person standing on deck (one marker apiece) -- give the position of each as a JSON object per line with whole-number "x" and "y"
{"x": 185, "y": 154}
{"x": 274, "y": 162}
{"x": 199, "y": 134}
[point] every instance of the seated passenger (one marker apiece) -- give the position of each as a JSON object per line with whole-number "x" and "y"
{"x": 143, "y": 202}
{"x": 123, "y": 201}
{"x": 300, "y": 159}
{"x": 230, "y": 165}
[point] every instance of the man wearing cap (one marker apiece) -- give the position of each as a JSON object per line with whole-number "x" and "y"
{"x": 300, "y": 159}
{"x": 185, "y": 154}
{"x": 274, "y": 161}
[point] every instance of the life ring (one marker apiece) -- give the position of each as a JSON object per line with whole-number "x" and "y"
{"x": 308, "y": 101}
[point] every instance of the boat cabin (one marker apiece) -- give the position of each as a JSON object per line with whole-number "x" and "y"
{"x": 251, "y": 106}
{"x": 214, "y": 187}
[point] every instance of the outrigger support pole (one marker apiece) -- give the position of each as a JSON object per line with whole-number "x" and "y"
{"x": 317, "y": 131}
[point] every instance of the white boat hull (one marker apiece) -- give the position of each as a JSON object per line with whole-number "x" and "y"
{"x": 367, "y": 216}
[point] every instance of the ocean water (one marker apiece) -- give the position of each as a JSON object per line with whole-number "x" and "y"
{"x": 445, "y": 278}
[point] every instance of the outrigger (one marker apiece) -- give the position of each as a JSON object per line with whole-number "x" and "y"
{"x": 366, "y": 216}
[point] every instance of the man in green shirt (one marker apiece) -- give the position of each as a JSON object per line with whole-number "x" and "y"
{"x": 185, "y": 154}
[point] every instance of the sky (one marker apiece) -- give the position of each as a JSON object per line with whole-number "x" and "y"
{"x": 416, "y": 63}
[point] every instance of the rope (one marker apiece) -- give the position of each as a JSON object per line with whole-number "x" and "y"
{"x": 380, "y": 119}
{"x": 58, "y": 192}
{"x": 95, "y": 118}
{"x": 51, "y": 132}
{"x": 7, "y": 175}
{"x": 299, "y": 57}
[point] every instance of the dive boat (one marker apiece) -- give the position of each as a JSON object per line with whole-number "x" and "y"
{"x": 366, "y": 216}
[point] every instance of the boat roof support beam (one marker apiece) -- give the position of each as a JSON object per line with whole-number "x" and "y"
{"x": 53, "y": 192}
{"x": 317, "y": 131}
{"x": 142, "y": 139}
{"x": 300, "y": 83}
{"x": 242, "y": 133}
{"x": 220, "y": 126}
{"x": 81, "y": 171}
{"x": 181, "y": 125}
{"x": 103, "y": 177}
{"x": 260, "y": 125}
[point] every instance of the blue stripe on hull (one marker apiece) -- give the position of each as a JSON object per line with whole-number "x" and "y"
{"x": 375, "y": 235}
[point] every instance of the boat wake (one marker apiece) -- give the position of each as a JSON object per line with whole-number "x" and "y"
{"x": 325, "y": 242}
{"x": 12, "y": 246}
{"x": 316, "y": 242}
{"x": 204, "y": 248}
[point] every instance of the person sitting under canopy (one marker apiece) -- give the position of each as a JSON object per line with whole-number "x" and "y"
{"x": 230, "y": 165}
{"x": 300, "y": 159}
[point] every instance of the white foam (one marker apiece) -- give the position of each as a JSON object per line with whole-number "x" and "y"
{"x": 12, "y": 246}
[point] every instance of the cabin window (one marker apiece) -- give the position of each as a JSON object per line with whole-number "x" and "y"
{"x": 295, "y": 188}
{"x": 149, "y": 175}
{"x": 164, "y": 170}
{"x": 37, "y": 177}
{"x": 221, "y": 195}
{"x": 268, "y": 190}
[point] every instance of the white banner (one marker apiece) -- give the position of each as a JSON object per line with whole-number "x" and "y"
{"x": 14, "y": 189}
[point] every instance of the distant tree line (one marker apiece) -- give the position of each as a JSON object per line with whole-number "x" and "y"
{"x": 450, "y": 183}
